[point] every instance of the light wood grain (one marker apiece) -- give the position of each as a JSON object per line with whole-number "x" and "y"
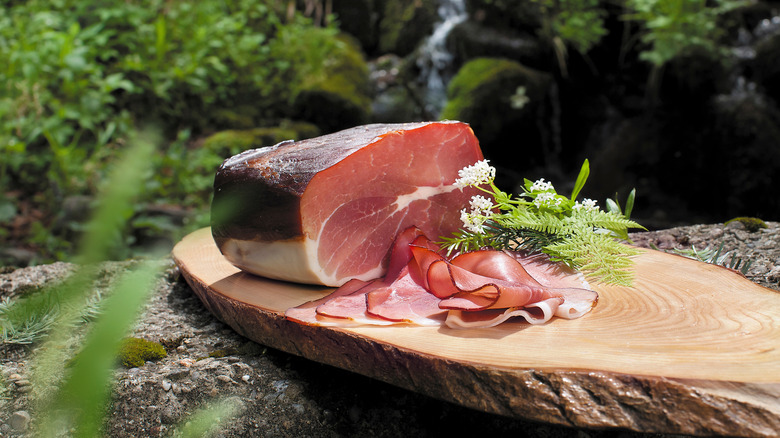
{"x": 692, "y": 348}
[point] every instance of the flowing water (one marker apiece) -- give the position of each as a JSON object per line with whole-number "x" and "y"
{"x": 434, "y": 60}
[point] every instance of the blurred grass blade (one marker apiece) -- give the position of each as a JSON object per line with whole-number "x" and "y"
{"x": 115, "y": 200}
{"x": 207, "y": 420}
{"x": 81, "y": 401}
{"x": 91, "y": 371}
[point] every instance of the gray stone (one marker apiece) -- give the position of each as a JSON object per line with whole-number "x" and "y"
{"x": 20, "y": 421}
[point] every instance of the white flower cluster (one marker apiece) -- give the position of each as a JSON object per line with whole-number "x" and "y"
{"x": 481, "y": 204}
{"x": 587, "y": 204}
{"x": 547, "y": 199}
{"x": 481, "y": 211}
{"x": 477, "y": 174}
{"x": 541, "y": 185}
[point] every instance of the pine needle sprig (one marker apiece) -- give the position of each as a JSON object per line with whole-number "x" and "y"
{"x": 576, "y": 233}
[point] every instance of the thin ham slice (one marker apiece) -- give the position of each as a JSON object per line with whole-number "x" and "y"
{"x": 474, "y": 289}
{"x": 326, "y": 210}
{"x": 307, "y": 313}
{"x": 405, "y": 300}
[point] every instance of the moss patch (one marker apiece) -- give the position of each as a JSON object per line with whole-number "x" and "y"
{"x": 751, "y": 224}
{"x": 135, "y": 352}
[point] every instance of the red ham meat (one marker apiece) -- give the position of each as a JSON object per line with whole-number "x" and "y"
{"x": 326, "y": 210}
{"x": 474, "y": 289}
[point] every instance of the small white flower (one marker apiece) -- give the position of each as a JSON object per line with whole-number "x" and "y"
{"x": 481, "y": 204}
{"x": 473, "y": 221}
{"x": 587, "y": 204}
{"x": 546, "y": 199}
{"x": 477, "y": 174}
{"x": 481, "y": 211}
{"x": 541, "y": 185}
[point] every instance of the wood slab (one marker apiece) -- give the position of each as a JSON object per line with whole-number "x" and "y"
{"x": 692, "y": 348}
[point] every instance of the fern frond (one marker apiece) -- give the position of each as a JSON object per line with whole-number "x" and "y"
{"x": 599, "y": 219}
{"x": 597, "y": 255}
{"x": 542, "y": 222}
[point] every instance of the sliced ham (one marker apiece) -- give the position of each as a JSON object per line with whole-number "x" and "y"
{"x": 307, "y": 313}
{"x": 475, "y": 289}
{"x": 405, "y": 301}
{"x": 326, "y": 210}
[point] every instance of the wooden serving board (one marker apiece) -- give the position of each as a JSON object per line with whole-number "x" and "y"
{"x": 692, "y": 348}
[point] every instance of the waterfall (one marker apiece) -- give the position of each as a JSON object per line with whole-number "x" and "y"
{"x": 434, "y": 60}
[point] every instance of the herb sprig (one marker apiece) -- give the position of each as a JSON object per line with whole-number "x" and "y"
{"x": 576, "y": 233}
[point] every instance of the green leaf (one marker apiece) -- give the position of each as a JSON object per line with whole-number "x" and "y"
{"x": 630, "y": 203}
{"x": 613, "y": 206}
{"x": 581, "y": 179}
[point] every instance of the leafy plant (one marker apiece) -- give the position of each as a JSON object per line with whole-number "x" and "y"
{"x": 29, "y": 319}
{"x": 541, "y": 220}
{"x": 575, "y": 23}
{"x": 675, "y": 27}
{"x": 79, "y": 77}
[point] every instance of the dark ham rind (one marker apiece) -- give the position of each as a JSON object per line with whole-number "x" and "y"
{"x": 343, "y": 197}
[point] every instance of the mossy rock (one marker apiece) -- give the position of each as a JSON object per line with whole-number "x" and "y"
{"x": 405, "y": 24}
{"x": 340, "y": 97}
{"x": 471, "y": 39}
{"x": 230, "y": 142}
{"x": 330, "y": 111}
{"x": 481, "y": 94}
{"x": 134, "y": 352}
{"x": 752, "y": 224}
{"x": 240, "y": 116}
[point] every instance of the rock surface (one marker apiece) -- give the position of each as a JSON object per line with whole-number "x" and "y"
{"x": 280, "y": 395}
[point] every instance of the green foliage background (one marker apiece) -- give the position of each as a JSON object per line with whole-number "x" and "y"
{"x": 78, "y": 77}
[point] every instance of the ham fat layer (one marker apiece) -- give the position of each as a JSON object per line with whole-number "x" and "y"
{"x": 475, "y": 289}
{"x": 326, "y": 210}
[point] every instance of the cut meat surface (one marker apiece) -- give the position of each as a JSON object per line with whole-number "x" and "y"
{"x": 327, "y": 210}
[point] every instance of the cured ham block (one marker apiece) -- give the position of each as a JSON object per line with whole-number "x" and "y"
{"x": 326, "y": 210}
